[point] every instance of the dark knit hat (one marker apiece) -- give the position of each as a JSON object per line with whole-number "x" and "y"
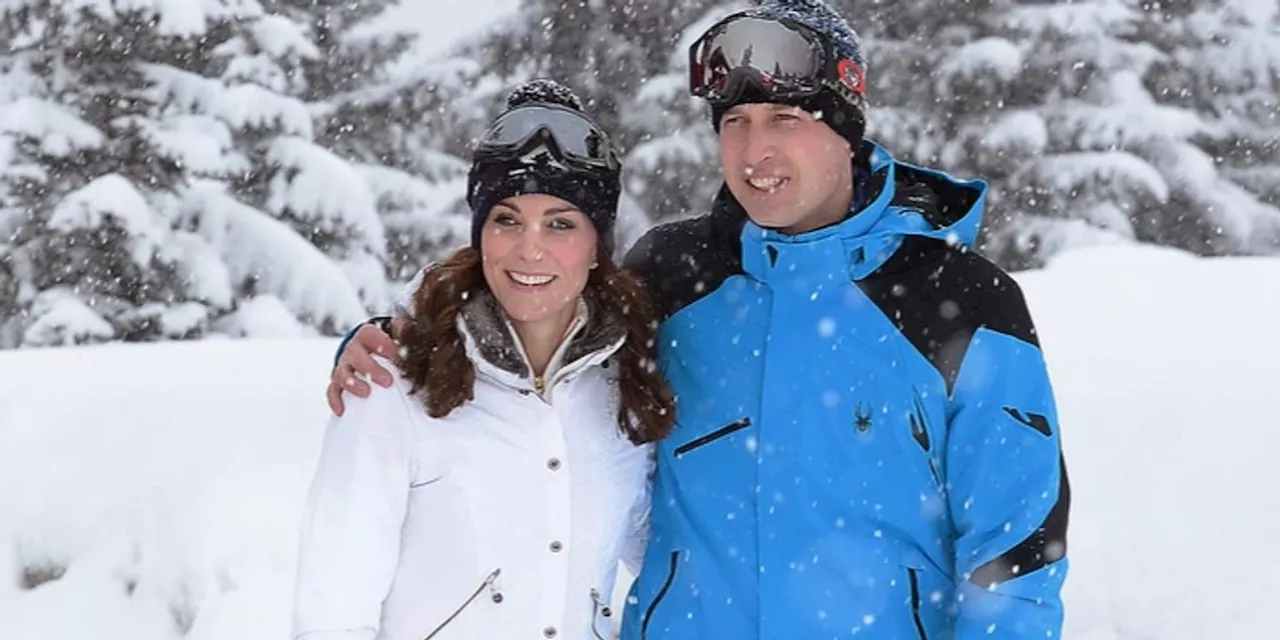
{"x": 595, "y": 193}
{"x": 841, "y": 109}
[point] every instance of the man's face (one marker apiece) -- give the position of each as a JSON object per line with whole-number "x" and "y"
{"x": 789, "y": 170}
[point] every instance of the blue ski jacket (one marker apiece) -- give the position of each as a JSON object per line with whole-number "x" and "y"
{"x": 867, "y": 443}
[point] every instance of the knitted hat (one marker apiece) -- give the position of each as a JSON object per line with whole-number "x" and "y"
{"x": 594, "y": 193}
{"x": 842, "y": 109}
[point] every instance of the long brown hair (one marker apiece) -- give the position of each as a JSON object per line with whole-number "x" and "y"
{"x": 435, "y": 359}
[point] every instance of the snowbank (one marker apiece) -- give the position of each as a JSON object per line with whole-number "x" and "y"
{"x": 167, "y": 480}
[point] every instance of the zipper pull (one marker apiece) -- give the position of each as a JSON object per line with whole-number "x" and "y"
{"x": 492, "y": 583}
{"x": 604, "y": 609}
{"x": 539, "y": 384}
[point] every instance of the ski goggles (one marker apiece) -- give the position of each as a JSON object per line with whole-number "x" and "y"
{"x": 783, "y": 57}
{"x": 569, "y": 136}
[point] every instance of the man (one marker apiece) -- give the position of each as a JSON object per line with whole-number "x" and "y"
{"x": 867, "y": 441}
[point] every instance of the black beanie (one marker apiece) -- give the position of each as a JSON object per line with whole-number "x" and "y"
{"x": 596, "y": 193}
{"x": 845, "y": 112}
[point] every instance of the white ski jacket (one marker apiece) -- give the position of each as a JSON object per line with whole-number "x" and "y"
{"x": 504, "y": 520}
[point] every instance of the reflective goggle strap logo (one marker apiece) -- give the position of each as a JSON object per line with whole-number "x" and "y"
{"x": 851, "y": 75}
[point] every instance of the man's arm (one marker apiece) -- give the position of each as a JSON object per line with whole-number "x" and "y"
{"x": 1006, "y": 477}
{"x": 353, "y": 359}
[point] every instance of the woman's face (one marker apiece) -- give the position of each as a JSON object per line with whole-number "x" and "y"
{"x": 537, "y": 252}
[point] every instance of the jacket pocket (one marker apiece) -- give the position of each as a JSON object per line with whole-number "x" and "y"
{"x": 487, "y": 584}
{"x": 707, "y": 439}
{"x": 913, "y": 581}
{"x": 662, "y": 593}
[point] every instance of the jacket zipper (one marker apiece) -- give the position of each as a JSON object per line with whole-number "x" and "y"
{"x": 713, "y": 436}
{"x": 662, "y": 593}
{"x": 914, "y": 581}
{"x": 488, "y": 581}
{"x": 598, "y": 606}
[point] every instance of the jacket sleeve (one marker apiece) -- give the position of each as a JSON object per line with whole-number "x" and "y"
{"x": 349, "y": 544}
{"x": 1007, "y": 479}
{"x": 637, "y": 541}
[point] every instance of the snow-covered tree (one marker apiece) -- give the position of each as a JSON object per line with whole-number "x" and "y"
{"x": 1222, "y": 61}
{"x": 1050, "y": 103}
{"x": 88, "y": 189}
{"x": 160, "y": 174}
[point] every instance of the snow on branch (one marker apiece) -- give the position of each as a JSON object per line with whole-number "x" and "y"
{"x": 1085, "y": 126}
{"x": 281, "y": 37}
{"x": 62, "y": 318}
{"x": 170, "y": 17}
{"x": 201, "y": 143}
{"x": 250, "y": 106}
{"x": 314, "y": 185}
{"x": 58, "y": 130}
{"x": 274, "y": 259}
{"x": 407, "y": 202}
{"x": 1073, "y": 20}
{"x": 241, "y": 107}
{"x": 987, "y": 55}
{"x": 1119, "y": 172}
{"x": 111, "y": 199}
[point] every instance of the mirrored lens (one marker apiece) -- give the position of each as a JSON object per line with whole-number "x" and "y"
{"x": 763, "y": 45}
{"x": 574, "y": 134}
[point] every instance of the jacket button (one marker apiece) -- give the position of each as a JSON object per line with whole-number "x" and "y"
{"x": 497, "y": 598}
{"x": 553, "y": 464}
{"x": 556, "y": 546}
{"x": 549, "y": 632}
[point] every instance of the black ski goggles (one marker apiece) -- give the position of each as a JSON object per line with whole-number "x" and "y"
{"x": 784, "y": 58}
{"x": 569, "y": 136}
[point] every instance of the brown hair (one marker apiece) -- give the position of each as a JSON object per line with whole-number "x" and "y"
{"x": 435, "y": 359}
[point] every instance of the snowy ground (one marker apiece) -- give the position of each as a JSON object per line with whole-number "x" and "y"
{"x": 167, "y": 479}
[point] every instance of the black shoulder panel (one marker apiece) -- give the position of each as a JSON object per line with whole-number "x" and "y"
{"x": 684, "y": 260}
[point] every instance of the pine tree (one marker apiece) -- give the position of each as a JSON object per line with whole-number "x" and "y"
{"x": 403, "y": 121}
{"x": 161, "y": 177}
{"x": 89, "y": 181}
{"x": 1222, "y": 61}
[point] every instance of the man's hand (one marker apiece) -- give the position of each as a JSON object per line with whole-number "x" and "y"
{"x": 357, "y": 360}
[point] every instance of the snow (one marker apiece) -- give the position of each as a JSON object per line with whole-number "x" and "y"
{"x": 170, "y": 485}
{"x": 263, "y": 317}
{"x": 111, "y": 200}
{"x": 450, "y": 22}
{"x": 281, "y": 38}
{"x": 172, "y": 17}
{"x": 996, "y": 55}
{"x": 314, "y": 185}
{"x": 200, "y": 143}
{"x": 240, "y": 106}
{"x": 260, "y": 249}
{"x": 1040, "y": 22}
{"x": 58, "y": 130}
{"x": 1021, "y": 132}
{"x": 63, "y": 318}
{"x": 411, "y": 204}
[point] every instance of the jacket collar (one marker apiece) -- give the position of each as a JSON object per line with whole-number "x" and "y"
{"x": 901, "y": 200}
{"x": 494, "y": 347}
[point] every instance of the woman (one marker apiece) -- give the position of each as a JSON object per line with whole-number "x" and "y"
{"x": 492, "y": 489}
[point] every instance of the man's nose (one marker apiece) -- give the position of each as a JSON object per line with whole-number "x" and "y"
{"x": 760, "y": 145}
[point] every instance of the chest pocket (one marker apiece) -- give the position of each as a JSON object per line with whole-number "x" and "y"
{"x": 693, "y": 443}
